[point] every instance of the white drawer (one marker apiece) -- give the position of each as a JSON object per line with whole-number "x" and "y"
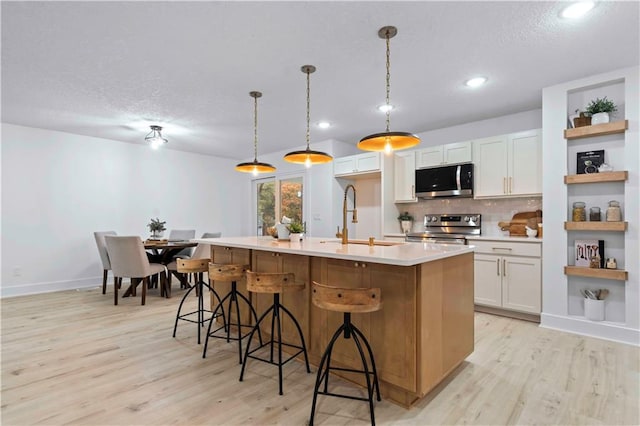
{"x": 507, "y": 248}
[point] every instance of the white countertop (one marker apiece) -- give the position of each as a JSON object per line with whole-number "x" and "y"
{"x": 402, "y": 254}
{"x": 505, "y": 238}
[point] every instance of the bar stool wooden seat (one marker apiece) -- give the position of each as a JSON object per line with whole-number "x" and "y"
{"x": 276, "y": 284}
{"x": 230, "y": 273}
{"x": 196, "y": 267}
{"x": 347, "y": 301}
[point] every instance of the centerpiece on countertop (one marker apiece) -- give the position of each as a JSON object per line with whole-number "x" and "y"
{"x": 600, "y": 109}
{"x": 157, "y": 227}
{"x": 295, "y": 231}
{"x": 406, "y": 222}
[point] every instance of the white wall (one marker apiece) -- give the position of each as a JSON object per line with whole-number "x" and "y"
{"x": 58, "y": 188}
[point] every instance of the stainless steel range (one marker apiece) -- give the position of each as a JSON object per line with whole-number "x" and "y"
{"x": 447, "y": 228}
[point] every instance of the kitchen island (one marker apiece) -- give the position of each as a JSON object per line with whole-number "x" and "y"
{"x": 425, "y": 328}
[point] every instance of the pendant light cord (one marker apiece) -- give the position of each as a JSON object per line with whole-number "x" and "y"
{"x": 388, "y": 81}
{"x": 255, "y": 129}
{"x": 308, "y": 108}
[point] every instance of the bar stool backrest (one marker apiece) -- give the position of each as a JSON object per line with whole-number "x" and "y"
{"x": 190, "y": 266}
{"x": 227, "y": 272}
{"x": 346, "y": 299}
{"x": 262, "y": 282}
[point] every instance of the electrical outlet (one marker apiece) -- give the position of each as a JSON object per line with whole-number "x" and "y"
{"x": 17, "y": 271}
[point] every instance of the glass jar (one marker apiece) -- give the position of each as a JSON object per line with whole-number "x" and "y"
{"x": 594, "y": 214}
{"x": 614, "y": 214}
{"x": 579, "y": 214}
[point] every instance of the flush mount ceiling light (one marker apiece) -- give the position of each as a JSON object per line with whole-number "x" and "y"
{"x": 388, "y": 141}
{"x": 154, "y": 137}
{"x": 324, "y": 124}
{"x": 577, "y": 10}
{"x": 308, "y": 156}
{"x": 255, "y": 166}
{"x": 385, "y": 107}
{"x": 476, "y": 81}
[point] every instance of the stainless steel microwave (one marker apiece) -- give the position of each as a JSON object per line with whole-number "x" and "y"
{"x": 445, "y": 181}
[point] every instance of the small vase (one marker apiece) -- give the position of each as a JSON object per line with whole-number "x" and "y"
{"x": 156, "y": 235}
{"x": 295, "y": 237}
{"x": 406, "y": 226}
{"x": 599, "y": 118}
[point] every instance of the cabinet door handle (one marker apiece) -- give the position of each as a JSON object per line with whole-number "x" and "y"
{"x": 504, "y": 185}
{"x": 498, "y": 266}
{"x": 501, "y": 248}
{"x": 364, "y": 265}
{"x": 355, "y": 264}
{"x": 413, "y": 191}
{"x": 504, "y": 267}
{"x": 510, "y": 181}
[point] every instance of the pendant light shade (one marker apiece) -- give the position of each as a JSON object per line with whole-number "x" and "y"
{"x": 154, "y": 137}
{"x": 388, "y": 141}
{"x": 308, "y": 156}
{"x": 255, "y": 166}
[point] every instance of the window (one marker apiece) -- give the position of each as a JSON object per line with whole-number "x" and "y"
{"x": 278, "y": 197}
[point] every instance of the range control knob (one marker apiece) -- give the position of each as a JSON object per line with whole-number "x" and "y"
{"x": 474, "y": 218}
{"x": 434, "y": 219}
{"x": 466, "y": 218}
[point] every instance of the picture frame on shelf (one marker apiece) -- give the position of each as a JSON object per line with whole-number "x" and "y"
{"x": 586, "y": 250}
{"x": 589, "y": 161}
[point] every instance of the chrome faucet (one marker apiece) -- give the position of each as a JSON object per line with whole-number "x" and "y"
{"x": 345, "y": 232}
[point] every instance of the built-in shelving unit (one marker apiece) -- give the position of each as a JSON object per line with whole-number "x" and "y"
{"x": 620, "y": 176}
{"x": 597, "y": 130}
{"x": 596, "y": 226}
{"x": 610, "y": 274}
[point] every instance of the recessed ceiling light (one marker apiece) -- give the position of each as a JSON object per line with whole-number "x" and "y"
{"x": 577, "y": 10}
{"x": 386, "y": 107}
{"x": 324, "y": 124}
{"x": 476, "y": 81}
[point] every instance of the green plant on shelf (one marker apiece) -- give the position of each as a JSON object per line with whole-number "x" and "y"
{"x": 601, "y": 105}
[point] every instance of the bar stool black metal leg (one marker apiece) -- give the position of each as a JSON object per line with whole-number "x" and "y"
{"x": 226, "y": 324}
{"x": 365, "y": 366}
{"x": 199, "y": 289}
{"x": 304, "y": 346}
{"x": 323, "y": 373}
{"x": 373, "y": 362}
{"x": 253, "y": 331}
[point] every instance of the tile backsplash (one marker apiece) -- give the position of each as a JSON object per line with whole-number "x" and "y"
{"x": 492, "y": 210}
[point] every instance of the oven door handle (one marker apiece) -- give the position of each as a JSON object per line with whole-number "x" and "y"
{"x": 458, "y": 170}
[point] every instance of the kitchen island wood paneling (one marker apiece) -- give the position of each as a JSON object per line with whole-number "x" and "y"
{"x": 425, "y": 328}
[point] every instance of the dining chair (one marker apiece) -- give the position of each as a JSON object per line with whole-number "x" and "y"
{"x": 129, "y": 259}
{"x": 104, "y": 256}
{"x": 201, "y": 251}
{"x": 183, "y": 234}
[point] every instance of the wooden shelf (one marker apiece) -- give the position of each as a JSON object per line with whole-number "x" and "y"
{"x": 609, "y": 274}
{"x": 619, "y": 176}
{"x": 597, "y": 130}
{"x": 596, "y": 226}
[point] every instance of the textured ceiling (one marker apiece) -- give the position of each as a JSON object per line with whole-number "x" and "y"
{"x": 110, "y": 69}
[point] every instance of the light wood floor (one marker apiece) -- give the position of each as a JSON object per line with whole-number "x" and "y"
{"x": 74, "y": 358}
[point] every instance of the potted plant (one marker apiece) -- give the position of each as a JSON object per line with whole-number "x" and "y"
{"x": 600, "y": 109}
{"x": 157, "y": 228}
{"x": 295, "y": 231}
{"x": 406, "y": 222}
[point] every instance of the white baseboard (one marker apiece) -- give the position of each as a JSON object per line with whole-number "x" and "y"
{"x": 601, "y": 329}
{"x": 48, "y": 287}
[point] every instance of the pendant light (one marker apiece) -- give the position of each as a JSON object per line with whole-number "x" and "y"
{"x": 154, "y": 137}
{"x": 255, "y": 166}
{"x": 308, "y": 156}
{"x": 388, "y": 141}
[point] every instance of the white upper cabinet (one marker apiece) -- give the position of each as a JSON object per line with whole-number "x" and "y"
{"x": 508, "y": 165}
{"x": 452, "y": 153}
{"x": 404, "y": 177}
{"x": 368, "y": 162}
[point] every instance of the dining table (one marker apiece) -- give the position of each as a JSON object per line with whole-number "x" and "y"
{"x": 161, "y": 251}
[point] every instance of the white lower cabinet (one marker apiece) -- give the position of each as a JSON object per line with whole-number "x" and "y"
{"x": 508, "y": 275}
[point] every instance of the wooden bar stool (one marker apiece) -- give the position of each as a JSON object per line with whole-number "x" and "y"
{"x": 196, "y": 267}
{"x": 274, "y": 283}
{"x": 230, "y": 273}
{"x": 348, "y": 301}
